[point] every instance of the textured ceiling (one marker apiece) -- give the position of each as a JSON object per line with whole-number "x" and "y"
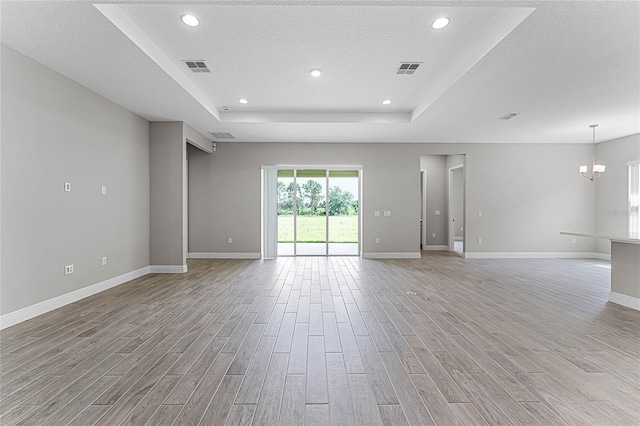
{"x": 561, "y": 65}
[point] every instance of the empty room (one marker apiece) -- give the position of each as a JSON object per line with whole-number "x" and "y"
{"x": 322, "y": 212}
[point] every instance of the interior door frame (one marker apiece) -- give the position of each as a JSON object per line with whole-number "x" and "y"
{"x": 450, "y": 228}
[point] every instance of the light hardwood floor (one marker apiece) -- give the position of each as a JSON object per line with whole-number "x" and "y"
{"x": 321, "y": 341}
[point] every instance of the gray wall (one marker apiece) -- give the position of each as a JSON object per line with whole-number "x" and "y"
{"x": 528, "y": 193}
{"x": 168, "y": 195}
{"x": 56, "y": 131}
{"x": 612, "y": 187}
{"x": 169, "y": 191}
{"x": 436, "y": 198}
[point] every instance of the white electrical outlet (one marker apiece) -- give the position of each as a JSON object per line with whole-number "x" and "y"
{"x": 104, "y": 260}
{"x": 433, "y": 235}
{"x": 67, "y": 187}
{"x": 377, "y": 240}
{"x": 229, "y": 240}
{"x": 68, "y": 269}
{"x": 104, "y": 190}
{"x": 479, "y": 240}
{"x": 437, "y": 212}
{"x": 479, "y": 212}
{"x": 387, "y": 212}
{"x": 376, "y": 213}
{"x": 573, "y": 241}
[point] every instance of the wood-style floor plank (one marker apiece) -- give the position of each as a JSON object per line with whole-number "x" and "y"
{"x": 414, "y": 409}
{"x": 268, "y": 408}
{"x": 147, "y": 407}
{"x": 197, "y": 404}
{"x": 241, "y": 415}
{"x": 340, "y": 405}
{"x": 253, "y": 378}
{"x": 165, "y": 415}
{"x": 378, "y": 378}
{"x": 316, "y": 415}
{"x": 317, "y": 372}
{"x": 392, "y": 415}
{"x": 299, "y": 346}
{"x": 292, "y": 411}
{"x": 364, "y": 401}
{"x": 333, "y": 340}
{"x": 222, "y": 402}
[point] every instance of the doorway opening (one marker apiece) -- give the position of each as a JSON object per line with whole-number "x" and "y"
{"x": 318, "y": 212}
{"x": 455, "y": 209}
{"x": 442, "y": 195}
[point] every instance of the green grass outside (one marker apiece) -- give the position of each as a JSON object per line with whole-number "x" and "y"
{"x": 312, "y": 229}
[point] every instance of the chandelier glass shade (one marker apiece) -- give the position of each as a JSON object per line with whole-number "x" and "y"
{"x": 596, "y": 169}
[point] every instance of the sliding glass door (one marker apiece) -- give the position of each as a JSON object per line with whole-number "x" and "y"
{"x": 287, "y": 195}
{"x": 318, "y": 212}
{"x": 311, "y": 215}
{"x": 343, "y": 212}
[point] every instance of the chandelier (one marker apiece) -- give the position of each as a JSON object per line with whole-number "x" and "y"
{"x": 596, "y": 169}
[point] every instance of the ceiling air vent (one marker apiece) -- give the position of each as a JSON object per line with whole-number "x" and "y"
{"x": 222, "y": 135}
{"x": 408, "y": 68}
{"x": 197, "y": 66}
{"x": 508, "y": 116}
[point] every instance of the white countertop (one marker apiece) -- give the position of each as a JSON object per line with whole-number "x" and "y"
{"x": 629, "y": 238}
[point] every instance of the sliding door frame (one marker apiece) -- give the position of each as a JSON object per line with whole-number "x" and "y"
{"x": 328, "y": 169}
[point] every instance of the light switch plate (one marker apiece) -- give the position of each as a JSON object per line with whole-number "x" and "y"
{"x": 387, "y": 212}
{"x": 67, "y": 187}
{"x": 376, "y": 213}
{"x": 437, "y": 212}
{"x": 104, "y": 190}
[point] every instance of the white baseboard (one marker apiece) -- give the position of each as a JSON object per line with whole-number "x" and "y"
{"x": 435, "y": 248}
{"x": 624, "y": 300}
{"x": 601, "y": 256}
{"x": 222, "y": 255}
{"x": 393, "y": 255}
{"x": 534, "y": 255}
{"x": 32, "y": 311}
{"x": 168, "y": 269}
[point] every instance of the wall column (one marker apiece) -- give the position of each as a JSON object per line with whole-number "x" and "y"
{"x": 168, "y": 251}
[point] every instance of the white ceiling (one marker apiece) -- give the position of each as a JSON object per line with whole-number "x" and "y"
{"x": 562, "y": 65}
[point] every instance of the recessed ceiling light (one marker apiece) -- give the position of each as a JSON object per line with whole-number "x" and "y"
{"x": 315, "y": 72}
{"x": 190, "y": 20}
{"x": 440, "y": 23}
{"x": 386, "y": 102}
{"x": 243, "y": 101}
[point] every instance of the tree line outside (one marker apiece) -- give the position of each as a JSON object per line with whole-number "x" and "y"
{"x": 310, "y": 200}
{"x": 311, "y": 210}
